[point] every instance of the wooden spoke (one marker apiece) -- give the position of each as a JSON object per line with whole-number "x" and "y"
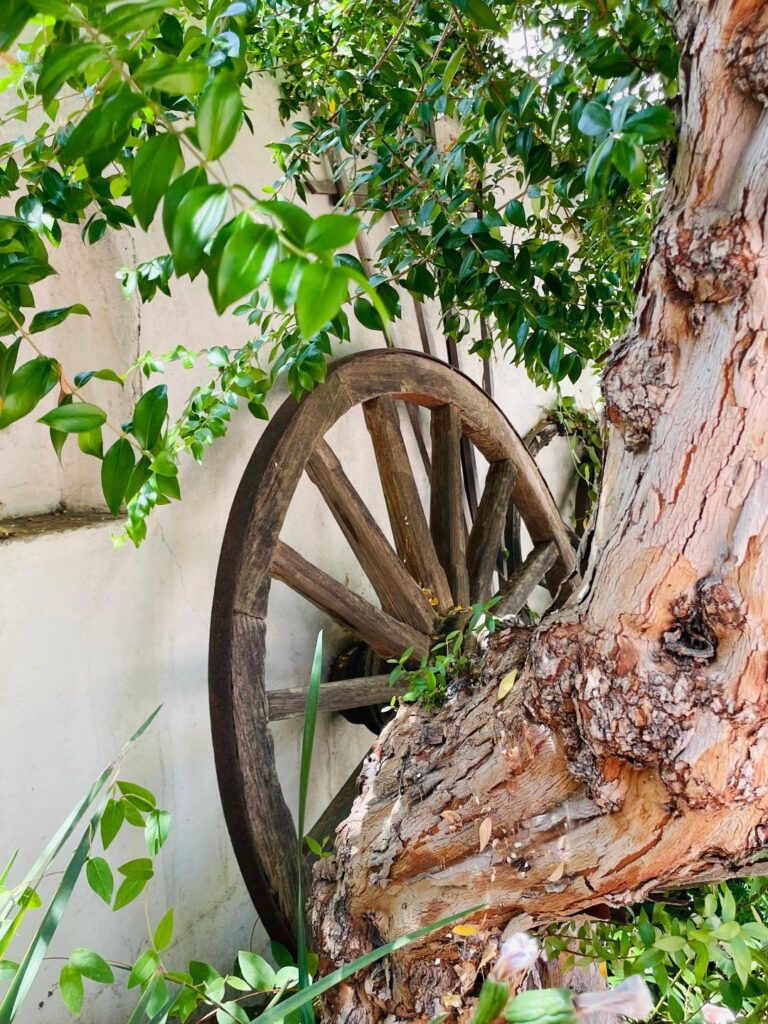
{"x": 336, "y": 696}
{"x": 446, "y": 518}
{"x": 380, "y": 631}
{"x": 399, "y": 593}
{"x": 486, "y": 536}
{"x": 521, "y": 584}
{"x": 406, "y": 513}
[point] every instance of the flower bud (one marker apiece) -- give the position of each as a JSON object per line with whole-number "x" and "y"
{"x": 518, "y": 953}
{"x": 630, "y": 998}
{"x": 717, "y": 1014}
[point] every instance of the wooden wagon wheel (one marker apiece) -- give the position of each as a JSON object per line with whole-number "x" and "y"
{"x": 435, "y": 557}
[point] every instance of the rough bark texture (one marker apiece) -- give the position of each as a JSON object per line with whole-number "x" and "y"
{"x": 633, "y": 751}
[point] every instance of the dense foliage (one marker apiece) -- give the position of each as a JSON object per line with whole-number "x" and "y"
{"x": 511, "y": 152}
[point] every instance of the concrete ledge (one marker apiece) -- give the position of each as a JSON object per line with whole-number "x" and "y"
{"x": 46, "y": 523}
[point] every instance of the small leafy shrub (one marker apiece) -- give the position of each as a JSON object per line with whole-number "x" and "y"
{"x": 428, "y": 683}
{"x": 704, "y": 946}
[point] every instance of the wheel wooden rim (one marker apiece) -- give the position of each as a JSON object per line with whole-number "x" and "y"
{"x": 438, "y": 556}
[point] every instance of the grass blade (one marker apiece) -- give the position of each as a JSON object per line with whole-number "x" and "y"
{"x": 295, "y": 1002}
{"x": 307, "y": 744}
{"x": 38, "y": 947}
{"x": 33, "y": 958}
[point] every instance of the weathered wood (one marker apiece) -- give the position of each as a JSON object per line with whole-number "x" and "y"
{"x": 446, "y": 517}
{"x": 255, "y": 809}
{"x": 416, "y": 378}
{"x": 520, "y": 584}
{"x": 406, "y": 512}
{"x": 485, "y": 538}
{"x": 380, "y": 631}
{"x": 400, "y": 595}
{"x": 244, "y": 762}
{"x": 467, "y": 452}
{"x": 336, "y": 696}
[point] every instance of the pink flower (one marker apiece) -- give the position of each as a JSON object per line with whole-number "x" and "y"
{"x": 518, "y": 953}
{"x": 717, "y": 1014}
{"x": 631, "y": 998}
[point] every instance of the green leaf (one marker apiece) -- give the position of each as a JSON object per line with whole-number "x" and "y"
{"x": 670, "y": 943}
{"x": 129, "y": 890}
{"x": 481, "y": 14}
{"x": 111, "y": 822}
{"x": 295, "y": 221}
{"x": 8, "y": 969}
{"x": 652, "y": 124}
{"x": 99, "y": 876}
{"x": 144, "y": 968}
{"x": 727, "y": 931}
{"x": 598, "y": 163}
{"x": 742, "y": 959}
{"x": 256, "y": 971}
{"x": 185, "y": 183}
{"x": 133, "y": 16}
{"x": 149, "y": 416}
{"x": 285, "y": 279}
{"x": 83, "y": 378}
{"x": 91, "y": 966}
{"x": 245, "y": 261}
{"x": 453, "y": 66}
{"x": 71, "y": 986}
{"x": 595, "y": 119}
{"x": 116, "y": 470}
{"x": 331, "y": 231}
{"x": 91, "y": 442}
{"x": 230, "y": 1012}
{"x": 48, "y": 318}
{"x": 156, "y": 830}
{"x": 16, "y": 14}
{"x": 164, "y": 932}
{"x": 367, "y": 314}
{"x": 514, "y": 213}
{"x": 27, "y": 386}
{"x": 144, "y": 795}
{"x": 98, "y": 138}
{"x": 65, "y": 62}
{"x": 198, "y": 216}
{"x": 139, "y": 867}
{"x": 74, "y": 418}
{"x": 25, "y": 270}
{"x": 629, "y": 161}
{"x": 219, "y": 115}
{"x": 321, "y": 292}
{"x": 155, "y": 167}
{"x": 167, "y": 74}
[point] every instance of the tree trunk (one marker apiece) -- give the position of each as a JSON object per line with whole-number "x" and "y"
{"x": 632, "y": 753}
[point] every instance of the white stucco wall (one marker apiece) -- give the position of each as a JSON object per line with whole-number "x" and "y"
{"x": 93, "y": 639}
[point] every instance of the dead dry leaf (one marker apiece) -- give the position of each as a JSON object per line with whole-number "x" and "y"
{"x": 484, "y": 832}
{"x": 453, "y": 816}
{"x": 557, "y": 874}
{"x": 506, "y": 684}
{"x": 466, "y": 929}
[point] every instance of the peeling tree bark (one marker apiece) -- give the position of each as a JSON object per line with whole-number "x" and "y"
{"x": 632, "y": 753}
